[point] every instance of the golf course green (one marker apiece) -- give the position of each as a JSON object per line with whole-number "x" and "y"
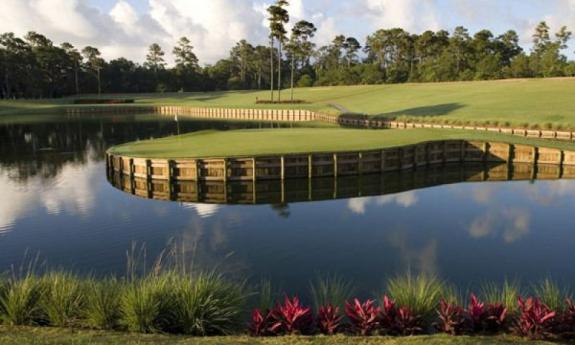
{"x": 256, "y": 142}
{"x": 518, "y": 102}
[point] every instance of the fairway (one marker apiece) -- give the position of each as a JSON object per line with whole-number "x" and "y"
{"x": 518, "y": 102}
{"x": 302, "y": 140}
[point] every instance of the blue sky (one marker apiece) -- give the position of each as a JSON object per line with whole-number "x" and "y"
{"x": 127, "y": 27}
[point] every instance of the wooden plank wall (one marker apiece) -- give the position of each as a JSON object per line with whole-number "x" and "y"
{"x": 312, "y": 165}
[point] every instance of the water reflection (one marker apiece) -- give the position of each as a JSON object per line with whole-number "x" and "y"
{"x": 393, "y": 187}
{"x": 56, "y": 200}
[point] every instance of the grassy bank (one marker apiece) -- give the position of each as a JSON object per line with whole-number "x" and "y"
{"x": 59, "y": 336}
{"x": 301, "y": 140}
{"x": 518, "y": 102}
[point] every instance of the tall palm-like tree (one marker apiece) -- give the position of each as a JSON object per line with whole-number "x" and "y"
{"x": 279, "y": 16}
{"x": 95, "y": 63}
{"x": 76, "y": 59}
{"x": 299, "y": 45}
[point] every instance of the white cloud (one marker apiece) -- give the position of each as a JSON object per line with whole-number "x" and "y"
{"x": 405, "y": 200}
{"x": 203, "y": 210}
{"x": 214, "y": 26}
{"x": 411, "y": 15}
{"x": 511, "y": 224}
{"x": 71, "y": 192}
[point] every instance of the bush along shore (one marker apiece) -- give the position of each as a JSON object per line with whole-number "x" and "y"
{"x": 207, "y": 304}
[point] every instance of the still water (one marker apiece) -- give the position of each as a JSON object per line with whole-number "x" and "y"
{"x": 56, "y": 200}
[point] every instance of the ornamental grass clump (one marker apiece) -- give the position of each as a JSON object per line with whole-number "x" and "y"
{"x": 20, "y": 301}
{"x": 145, "y": 303}
{"x": 330, "y": 290}
{"x": 551, "y": 294}
{"x": 103, "y": 303}
{"x": 63, "y": 299}
{"x": 420, "y": 294}
{"x": 206, "y": 304}
{"x": 507, "y": 294}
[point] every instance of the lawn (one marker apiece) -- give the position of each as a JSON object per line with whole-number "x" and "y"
{"x": 534, "y": 101}
{"x": 55, "y": 336}
{"x": 303, "y": 140}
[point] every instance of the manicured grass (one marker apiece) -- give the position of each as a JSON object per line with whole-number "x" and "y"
{"x": 57, "y": 336}
{"x": 518, "y": 102}
{"x": 303, "y": 140}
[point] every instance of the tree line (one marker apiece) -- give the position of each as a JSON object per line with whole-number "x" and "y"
{"x": 34, "y": 67}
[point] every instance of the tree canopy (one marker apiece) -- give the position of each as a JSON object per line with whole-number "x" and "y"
{"x": 34, "y": 67}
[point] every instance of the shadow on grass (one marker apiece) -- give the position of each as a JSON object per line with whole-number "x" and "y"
{"x": 432, "y": 110}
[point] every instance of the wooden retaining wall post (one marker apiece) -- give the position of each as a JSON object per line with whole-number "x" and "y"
{"x": 226, "y": 163}
{"x": 283, "y": 168}
{"x": 310, "y": 165}
{"x": 335, "y": 165}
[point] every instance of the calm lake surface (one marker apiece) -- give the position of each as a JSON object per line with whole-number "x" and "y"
{"x": 55, "y": 200}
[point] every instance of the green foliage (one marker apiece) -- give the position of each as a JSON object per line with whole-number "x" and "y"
{"x": 265, "y": 295}
{"x": 207, "y": 305}
{"x": 103, "y": 302}
{"x": 143, "y": 301}
{"x": 331, "y": 290}
{"x": 551, "y": 294}
{"x": 63, "y": 298}
{"x": 305, "y": 81}
{"x": 506, "y": 293}
{"x": 20, "y": 300}
{"x": 419, "y": 293}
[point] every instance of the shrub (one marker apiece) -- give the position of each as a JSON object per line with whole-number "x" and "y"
{"x": 103, "y": 101}
{"x": 207, "y": 305}
{"x": 291, "y": 317}
{"x": 407, "y": 323}
{"x": 506, "y": 294}
{"x": 19, "y": 301}
{"x": 141, "y": 303}
{"x": 330, "y": 290}
{"x": 387, "y": 315}
{"x": 486, "y": 318}
{"x": 364, "y": 317}
{"x": 261, "y": 324}
{"x": 305, "y": 81}
{"x": 535, "y": 318}
{"x": 550, "y": 294}
{"x": 63, "y": 299}
{"x": 496, "y": 318}
{"x": 565, "y": 323}
{"x": 420, "y": 294}
{"x": 329, "y": 319}
{"x": 398, "y": 321}
{"x": 103, "y": 299}
{"x": 452, "y": 318}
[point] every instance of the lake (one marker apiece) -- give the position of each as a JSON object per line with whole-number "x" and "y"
{"x": 56, "y": 202}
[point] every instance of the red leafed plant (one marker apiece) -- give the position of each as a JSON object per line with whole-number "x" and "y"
{"x": 495, "y": 318}
{"x": 329, "y": 319}
{"x": 476, "y": 313}
{"x": 565, "y": 323}
{"x": 452, "y": 318}
{"x": 406, "y": 323}
{"x": 291, "y": 317}
{"x": 261, "y": 324}
{"x": 535, "y": 318}
{"x": 362, "y": 316}
{"x": 395, "y": 320}
{"x": 388, "y": 315}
